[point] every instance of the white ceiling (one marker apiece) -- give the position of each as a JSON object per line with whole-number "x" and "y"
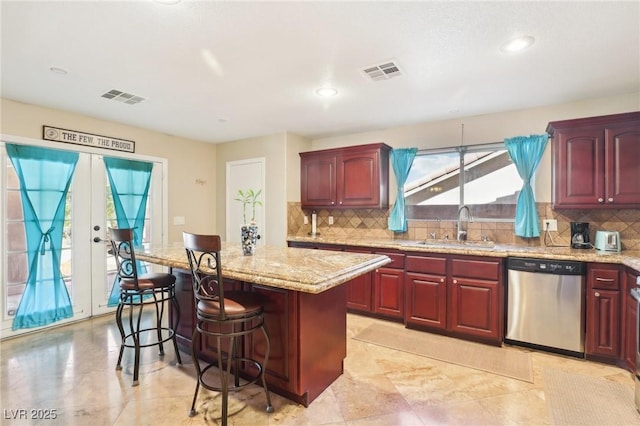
{"x": 220, "y": 71}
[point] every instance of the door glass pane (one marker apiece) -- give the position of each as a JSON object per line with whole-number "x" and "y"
{"x": 16, "y": 244}
{"x": 112, "y": 222}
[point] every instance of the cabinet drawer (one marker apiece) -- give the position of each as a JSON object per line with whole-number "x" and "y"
{"x": 426, "y": 264}
{"x": 607, "y": 279}
{"x": 397, "y": 259}
{"x": 480, "y": 269}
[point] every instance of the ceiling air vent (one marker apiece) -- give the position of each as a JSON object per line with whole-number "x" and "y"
{"x": 383, "y": 71}
{"x": 124, "y": 97}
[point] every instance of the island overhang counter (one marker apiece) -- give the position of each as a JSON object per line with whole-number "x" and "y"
{"x": 305, "y": 309}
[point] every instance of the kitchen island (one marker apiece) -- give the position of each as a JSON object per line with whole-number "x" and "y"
{"x": 305, "y": 312}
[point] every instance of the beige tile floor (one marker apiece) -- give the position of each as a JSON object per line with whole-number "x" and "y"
{"x": 71, "y": 370}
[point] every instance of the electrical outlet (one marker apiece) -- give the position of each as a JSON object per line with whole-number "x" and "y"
{"x": 550, "y": 225}
{"x": 306, "y": 219}
{"x": 330, "y": 220}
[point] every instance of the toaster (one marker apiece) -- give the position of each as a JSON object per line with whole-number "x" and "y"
{"x": 607, "y": 241}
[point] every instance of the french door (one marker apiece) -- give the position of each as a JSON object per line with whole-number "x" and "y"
{"x": 87, "y": 268}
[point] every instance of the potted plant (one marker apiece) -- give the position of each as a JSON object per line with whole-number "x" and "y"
{"x": 249, "y": 231}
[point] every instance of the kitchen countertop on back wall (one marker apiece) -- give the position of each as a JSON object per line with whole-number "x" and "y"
{"x": 625, "y": 257}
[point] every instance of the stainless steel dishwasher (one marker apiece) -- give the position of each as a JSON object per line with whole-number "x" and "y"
{"x": 545, "y": 304}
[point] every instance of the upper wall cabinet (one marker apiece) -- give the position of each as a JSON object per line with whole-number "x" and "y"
{"x": 596, "y": 162}
{"x": 351, "y": 177}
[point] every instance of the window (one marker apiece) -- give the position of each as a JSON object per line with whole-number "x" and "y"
{"x": 483, "y": 177}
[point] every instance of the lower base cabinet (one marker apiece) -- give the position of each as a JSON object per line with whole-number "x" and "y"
{"x": 426, "y": 302}
{"x": 458, "y": 295}
{"x": 380, "y": 292}
{"x": 474, "y": 308}
{"x": 388, "y": 292}
{"x": 603, "y": 311}
{"x": 359, "y": 289}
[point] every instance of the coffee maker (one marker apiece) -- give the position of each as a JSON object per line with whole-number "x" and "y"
{"x": 580, "y": 235}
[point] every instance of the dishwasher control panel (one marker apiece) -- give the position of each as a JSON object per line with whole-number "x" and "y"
{"x": 546, "y": 266}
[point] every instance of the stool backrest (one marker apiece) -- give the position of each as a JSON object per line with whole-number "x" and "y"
{"x": 122, "y": 247}
{"x": 203, "y": 253}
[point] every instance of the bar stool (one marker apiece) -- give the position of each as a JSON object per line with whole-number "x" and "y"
{"x": 138, "y": 291}
{"x": 226, "y": 316}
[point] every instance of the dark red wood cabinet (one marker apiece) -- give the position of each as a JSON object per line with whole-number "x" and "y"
{"x": 426, "y": 291}
{"x": 475, "y": 297}
{"x": 380, "y": 292}
{"x": 318, "y": 179}
{"x": 359, "y": 289}
{"x": 351, "y": 177}
{"x": 603, "y": 311}
{"x": 388, "y": 287}
{"x": 596, "y": 162}
{"x": 460, "y": 295}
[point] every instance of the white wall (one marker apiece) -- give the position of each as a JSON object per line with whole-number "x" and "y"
{"x": 295, "y": 145}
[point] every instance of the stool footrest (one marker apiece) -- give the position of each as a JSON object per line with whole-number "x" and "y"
{"x": 231, "y": 386}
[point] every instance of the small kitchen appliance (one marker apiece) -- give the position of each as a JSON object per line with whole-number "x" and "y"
{"x": 607, "y": 241}
{"x": 580, "y": 235}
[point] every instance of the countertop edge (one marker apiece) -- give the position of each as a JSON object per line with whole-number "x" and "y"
{"x": 313, "y": 287}
{"x": 630, "y": 259}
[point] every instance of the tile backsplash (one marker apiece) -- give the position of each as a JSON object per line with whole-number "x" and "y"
{"x": 372, "y": 224}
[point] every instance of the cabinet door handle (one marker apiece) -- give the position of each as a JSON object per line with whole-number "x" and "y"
{"x": 597, "y": 294}
{"x": 606, "y": 280}
{"x": 441, "y": 280}
{"x": 455, "y": 281}
{"x": 601, "y": 200}
{"x": 610, "y": 200}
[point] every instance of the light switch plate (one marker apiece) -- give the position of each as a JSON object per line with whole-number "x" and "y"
{"x": 178, "y": 220}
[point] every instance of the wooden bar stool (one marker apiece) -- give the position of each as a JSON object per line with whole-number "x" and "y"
{"x": 136, "y": 292}
{"x": 227, "y": 316}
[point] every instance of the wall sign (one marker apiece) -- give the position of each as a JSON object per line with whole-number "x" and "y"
{"x": 87, "y": 139}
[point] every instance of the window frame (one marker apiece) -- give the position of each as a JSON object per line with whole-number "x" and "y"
{"x": 414, "y": 210}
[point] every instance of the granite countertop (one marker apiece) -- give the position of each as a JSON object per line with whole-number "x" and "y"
{"x": 305, "y": 270}
{"x": 478, "y": 248}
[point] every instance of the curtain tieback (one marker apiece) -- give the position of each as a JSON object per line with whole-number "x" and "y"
{"x": 46, "y": 238}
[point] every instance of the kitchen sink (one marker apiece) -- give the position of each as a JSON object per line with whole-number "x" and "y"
{"x": 453, "y": 243}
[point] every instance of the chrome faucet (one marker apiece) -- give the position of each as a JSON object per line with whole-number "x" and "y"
{"x": 463, "y": 222}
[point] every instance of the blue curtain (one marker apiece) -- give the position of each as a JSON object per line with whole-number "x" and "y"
{"x": 401, "y": 161}
{"x": 45, "y": 176}
{"x": 129, "y": 182}
{"x": 526, "y": 152}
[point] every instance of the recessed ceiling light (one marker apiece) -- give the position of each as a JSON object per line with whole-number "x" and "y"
{"x": 518, "y": 44}
{"x": 326, "y": 92}
{"x": 58, "y": 70}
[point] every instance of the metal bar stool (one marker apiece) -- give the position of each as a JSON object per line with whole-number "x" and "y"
{"x": 138, "y": 291}
{"x": 225, "y": 316}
